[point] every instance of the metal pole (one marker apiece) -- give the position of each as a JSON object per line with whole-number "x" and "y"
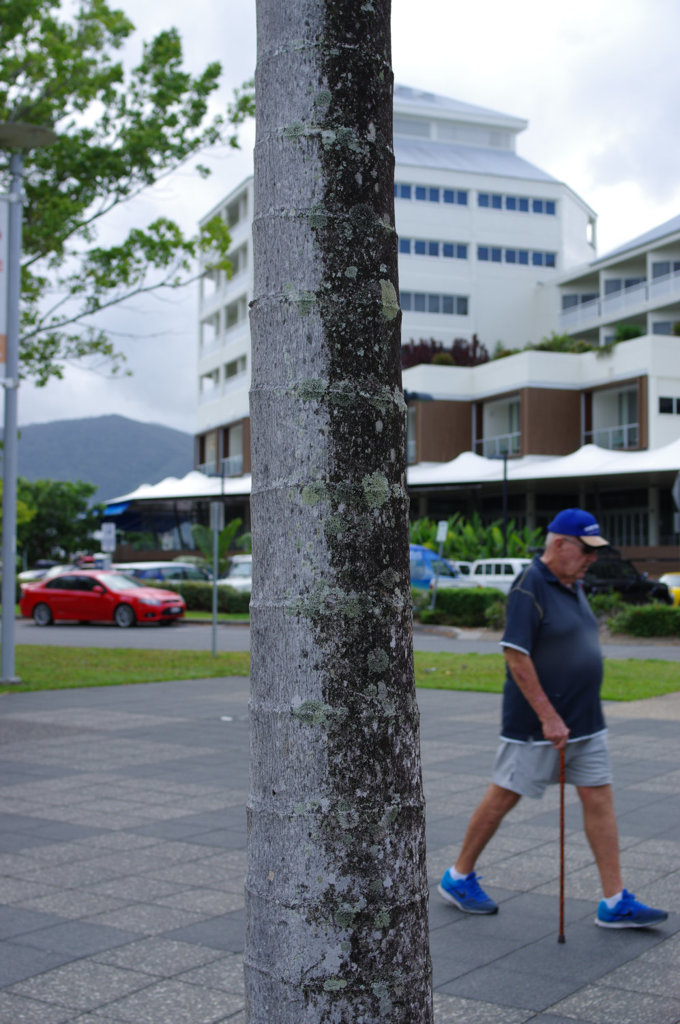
{"x": 505, "y": 504}
{"x": 214, "y": 587}
{"x": 560, "y": 937}
{"x": 9, "y": 460}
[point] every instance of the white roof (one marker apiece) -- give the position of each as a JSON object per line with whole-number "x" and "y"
{"x": 408, "y": 100}
{"x": 588, "y": 461}
{"x": 193, "y": 485}
{"x": 466, "y": 468}
{"x": 471, "y": 159}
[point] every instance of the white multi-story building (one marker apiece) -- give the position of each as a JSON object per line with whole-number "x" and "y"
{"x": 493, "y": 247}
{"x": 481, "y": 231}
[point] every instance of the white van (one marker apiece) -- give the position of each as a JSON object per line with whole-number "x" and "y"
{"x": 488, "y": 572}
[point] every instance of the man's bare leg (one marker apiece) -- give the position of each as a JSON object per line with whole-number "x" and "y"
{"x": 495, "y": 804}
{"x": 599, "y": 821}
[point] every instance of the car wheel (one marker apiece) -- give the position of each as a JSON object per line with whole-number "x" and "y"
{"x": 124, "y": 616}
{"x": 42, "y": 616}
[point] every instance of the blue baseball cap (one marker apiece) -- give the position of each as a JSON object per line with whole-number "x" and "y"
{"x": 575, "y": 522}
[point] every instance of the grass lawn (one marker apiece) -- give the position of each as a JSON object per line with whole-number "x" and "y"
{"x": 629, "y": 679}
{"x": 58, "y": 668}
{"x": 55, "y": 668}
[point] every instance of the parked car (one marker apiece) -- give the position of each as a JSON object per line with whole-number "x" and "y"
{"x": 240, "y": 573}
{"x": 425, "y": 562}
{"x": 98, "y": 596}
{"x": 498, "y": 573}
{"x": 613, "y": 574}
{"x": 162, "y": 570}
{"x": 672, "y": 581}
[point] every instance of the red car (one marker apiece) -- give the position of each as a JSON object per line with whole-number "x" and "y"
{"x": 98, "y": 596}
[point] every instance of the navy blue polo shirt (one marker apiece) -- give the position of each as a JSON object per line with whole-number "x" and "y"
{"x": 555, "y": 626}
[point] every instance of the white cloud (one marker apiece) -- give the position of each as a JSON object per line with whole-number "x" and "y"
{"x": 596, "y": 81}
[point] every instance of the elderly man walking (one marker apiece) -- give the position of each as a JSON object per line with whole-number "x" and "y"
{"x": 551, "y": 702}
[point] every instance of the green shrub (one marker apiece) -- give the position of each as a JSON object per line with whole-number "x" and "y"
{"x": 465, "y": 606}
{"x": 647, "y": 620}
{"x": 198, "y": 596}
{"x": 421, "y": 599}
{"x": 604, "y": 606}
{"x": 494, "y": 614}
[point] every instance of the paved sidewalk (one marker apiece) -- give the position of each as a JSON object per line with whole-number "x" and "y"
{"x": 122, "y": 855}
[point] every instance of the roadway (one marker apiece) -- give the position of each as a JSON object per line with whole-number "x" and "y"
{"x": 189, "y": 636}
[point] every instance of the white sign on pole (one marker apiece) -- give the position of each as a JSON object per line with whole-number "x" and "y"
{"x": 108, "y": 543}
{"x": 4, "y": 250}
{"x": 442, "y": 527}
{"x": 216, "y": 516}
{"x": 675, "y": 491}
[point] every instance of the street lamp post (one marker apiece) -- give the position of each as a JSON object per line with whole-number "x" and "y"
{"x": 17, "y": 137}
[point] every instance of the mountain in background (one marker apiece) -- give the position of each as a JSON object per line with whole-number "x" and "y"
{"x": 115, "y": 453}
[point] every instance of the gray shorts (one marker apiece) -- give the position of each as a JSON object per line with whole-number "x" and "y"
{"x": 527, "y": 768}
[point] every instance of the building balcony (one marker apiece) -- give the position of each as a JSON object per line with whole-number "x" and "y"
{"x": 637, "y": 299}
{"x": 232, "y": 466}
{"x": 500, "y": 444}
{"x": 621, "y": 437}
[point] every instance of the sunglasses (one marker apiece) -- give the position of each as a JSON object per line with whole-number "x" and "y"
{"x": 585, "y": 548}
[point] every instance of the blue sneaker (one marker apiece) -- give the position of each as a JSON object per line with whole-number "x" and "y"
{"x": 628, "y": 913}
{"x": 466, "y": 894}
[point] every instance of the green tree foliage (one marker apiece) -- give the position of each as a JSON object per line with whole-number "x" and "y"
{"x": 468, "y": 539}
{"x": 119, "y": 132}
{"x": 203, "y": 539}
{"x": 63, "y": 521}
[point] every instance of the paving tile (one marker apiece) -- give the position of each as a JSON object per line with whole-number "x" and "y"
{"x": 82, "y": 985}
{"x": 173, "y": 1001}
{"x": 600, "y": 1004}
{"x": 77, "y": 938}
{"x": 18, "y": 962}
{"x": 160, "y": 957}
{"x": 453, "y": 1010}
{"x": 226, "y": 932}
{"x": 17, "y": 1010}
{"x": 225, "y": 974}
{"x": 147, "y": 918}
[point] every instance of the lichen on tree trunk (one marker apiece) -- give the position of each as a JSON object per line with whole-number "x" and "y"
{"x": 336, "y": 886}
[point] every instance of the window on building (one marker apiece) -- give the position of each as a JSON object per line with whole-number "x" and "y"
{"x": 662, "y": 327}
{"x": 482, "y": 252}
{"x": 496, "y": 202}
{"x": 430, "y": 194}
{"x": 496, "y": 254}
{"x": 511, "y": 202}
{"x": 236, "y": 312}
{"x": 550, "y": 207}
{"x": 421, "y": 302}
{"x": 523, "y": 205}
{"x": 235, "y": 366}
{"x": 537, "y": 205}
{"x": 569, "y": 302}
{"x": 405, "y": 245}
{"x": 483, "y": 199}
{"x": 666, "y": 405}
{"x": 612, "y": 286}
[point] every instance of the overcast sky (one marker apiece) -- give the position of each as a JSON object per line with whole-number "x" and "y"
{"x": 597, "y": 81}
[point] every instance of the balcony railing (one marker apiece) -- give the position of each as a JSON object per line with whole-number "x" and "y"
{"x": 232, "y": 466}
{"x": 636, "y": 298}
{"x": 500, "y": 444}
{"x": 411, "y": 451}
{"x": 624, "y": 436}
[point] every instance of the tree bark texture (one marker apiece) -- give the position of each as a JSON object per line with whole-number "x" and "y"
{"x": 336, "y": 885}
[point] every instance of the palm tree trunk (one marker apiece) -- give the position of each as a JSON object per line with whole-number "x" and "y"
{"x": 336, "y": 886}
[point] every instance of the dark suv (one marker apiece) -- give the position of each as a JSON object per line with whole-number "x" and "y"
{"x": 610, "y": 573}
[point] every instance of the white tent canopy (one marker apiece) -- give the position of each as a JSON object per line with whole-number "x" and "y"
{"x": 466, "y": 468}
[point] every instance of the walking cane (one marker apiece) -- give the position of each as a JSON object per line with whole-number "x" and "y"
{"x": 560, "y": 937}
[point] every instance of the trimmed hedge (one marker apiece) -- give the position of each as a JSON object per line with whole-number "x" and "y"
{"x": 198, "y": 595}
{"x": 467, "y": 606}
{"x": 647, "y": 620}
